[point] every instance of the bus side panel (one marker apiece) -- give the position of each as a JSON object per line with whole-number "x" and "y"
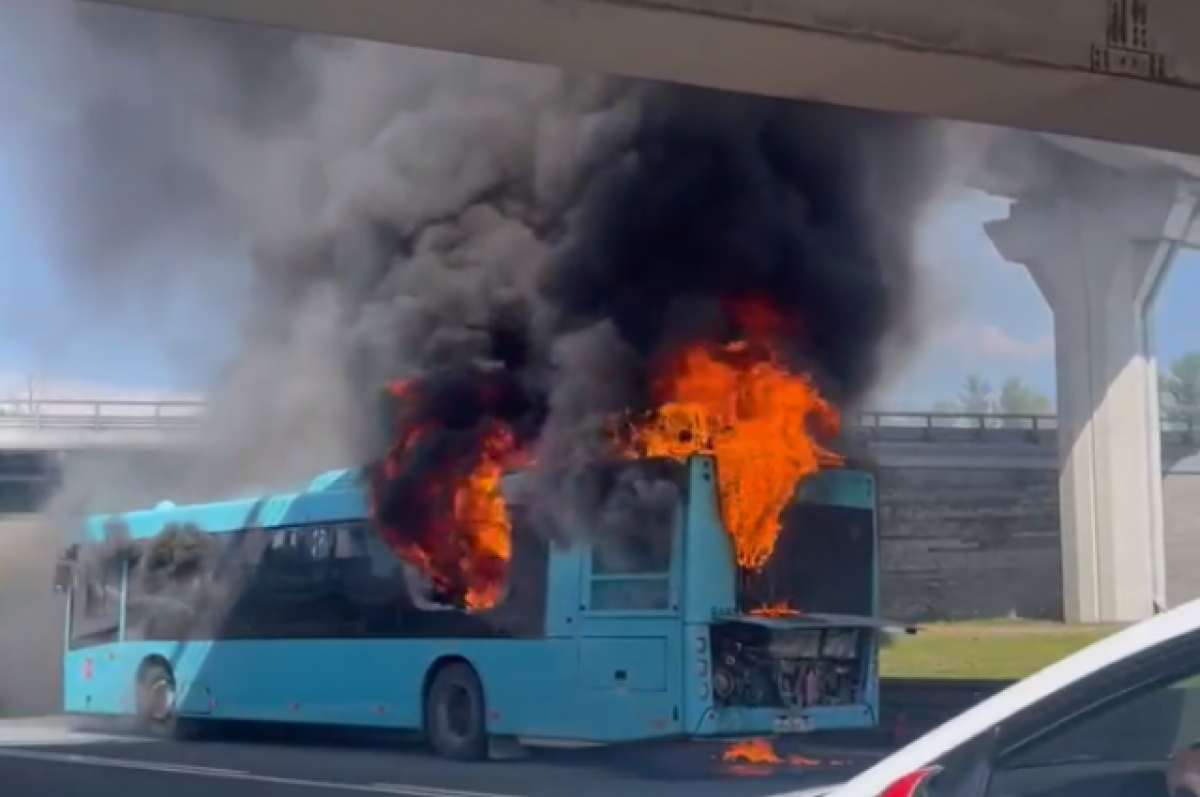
{"x": 627, "y": 688}
{"x": 529, "y": 684}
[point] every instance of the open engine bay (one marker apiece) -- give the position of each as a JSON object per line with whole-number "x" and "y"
{"x": 754, "y": 666}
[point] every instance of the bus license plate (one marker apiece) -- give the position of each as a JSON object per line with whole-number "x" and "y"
{"x": 796, "y": 724}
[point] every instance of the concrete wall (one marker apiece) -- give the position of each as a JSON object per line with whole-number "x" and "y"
{"x": 972, "y": 530}
{"x": 1181, "y": 525}
{"x": 963, "y": 543}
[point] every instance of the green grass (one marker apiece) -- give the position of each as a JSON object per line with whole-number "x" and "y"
{"x": 985, "y": 650}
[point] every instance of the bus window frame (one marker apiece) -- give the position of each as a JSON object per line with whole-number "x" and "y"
{"x": 589, "y": 578}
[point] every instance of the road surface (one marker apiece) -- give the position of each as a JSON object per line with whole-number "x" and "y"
{"x": 49, "y": 758}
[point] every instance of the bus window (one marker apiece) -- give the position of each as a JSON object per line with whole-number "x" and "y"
{"x": 318, "y": 543}
{"x": 348, "y": 543}
{"x": 96, "y": 605}
{"x": 636, "y": 594}
{"x": 633, "y": 542}
{"x": 635, "y": 529}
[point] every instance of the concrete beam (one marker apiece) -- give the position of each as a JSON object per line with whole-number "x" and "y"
{"x": 1121, "y": 70}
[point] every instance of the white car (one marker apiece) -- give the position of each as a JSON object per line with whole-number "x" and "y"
{"x": 1120, "y": 717}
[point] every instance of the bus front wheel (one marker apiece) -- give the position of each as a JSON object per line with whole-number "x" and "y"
{"x": 156, "y": 695}
{"x": 455, "y": 714}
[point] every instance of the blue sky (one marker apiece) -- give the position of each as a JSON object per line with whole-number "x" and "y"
{"x": 993, "y": 320}
{"x": 987, "y": 316}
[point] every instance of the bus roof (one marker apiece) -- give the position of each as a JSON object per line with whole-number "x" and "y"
{"x": 333, "y": 496}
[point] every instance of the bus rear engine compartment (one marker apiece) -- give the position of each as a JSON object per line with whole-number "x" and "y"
{"x": 754, "y": 666}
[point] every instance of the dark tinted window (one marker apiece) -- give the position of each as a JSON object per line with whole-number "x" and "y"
{"x": 824, "y": 561}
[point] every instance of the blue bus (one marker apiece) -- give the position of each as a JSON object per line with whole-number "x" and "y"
{"x": 289, "y": 609}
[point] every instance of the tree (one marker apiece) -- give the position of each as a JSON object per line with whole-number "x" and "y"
{"x": 976, "y": 396}
{"x": 1179, "y": 388}
{"x": 1018, "y": 398}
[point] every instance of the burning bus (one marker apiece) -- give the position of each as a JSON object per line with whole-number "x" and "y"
{"x": 715, "y": 574}
{"x": 292, "y": 608}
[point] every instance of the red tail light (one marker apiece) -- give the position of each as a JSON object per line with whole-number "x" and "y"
{"x": 908, "y": 785}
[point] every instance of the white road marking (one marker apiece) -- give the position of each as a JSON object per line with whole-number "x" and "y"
{"x": 12, "y": 735}
{"x": 403, "y": 789}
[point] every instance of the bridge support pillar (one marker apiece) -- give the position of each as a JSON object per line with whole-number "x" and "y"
{"x": 1097, "y": 244}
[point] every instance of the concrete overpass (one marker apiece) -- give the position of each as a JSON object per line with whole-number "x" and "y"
{"x": 1119, "y": 70}
{"x": 1097, "y": 225}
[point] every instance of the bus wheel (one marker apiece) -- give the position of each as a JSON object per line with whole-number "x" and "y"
{"x": 156, "y": 696}
{"x": 455, "y": 714}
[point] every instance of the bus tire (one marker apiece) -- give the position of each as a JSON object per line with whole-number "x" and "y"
{"x": 456, "y": 714}
{"x": 156, "y": 696}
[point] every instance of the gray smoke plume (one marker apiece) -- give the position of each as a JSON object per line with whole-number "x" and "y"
{"x": 291, "y": 222}
{"x": 320, "y": 217}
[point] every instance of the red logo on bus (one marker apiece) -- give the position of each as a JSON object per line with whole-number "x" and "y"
{"x": 89, "y": 667}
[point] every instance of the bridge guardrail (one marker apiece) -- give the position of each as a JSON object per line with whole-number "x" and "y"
{"x": 956, "y": 427}
{"x": 104, "y": 414}
{"x": 100, "y": 415}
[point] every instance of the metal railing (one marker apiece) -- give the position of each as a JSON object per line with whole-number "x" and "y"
{"x": 104, "y": 415}
{"x": 925, "y": 423}
{"x": 100, "y": 415}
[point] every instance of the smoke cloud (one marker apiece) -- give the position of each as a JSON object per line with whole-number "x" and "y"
{"x": 321, "y": 217}
{"x": 325, "y": 216}
{"x": 290, "y": 223}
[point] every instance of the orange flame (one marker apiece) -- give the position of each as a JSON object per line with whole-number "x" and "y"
{"x": 469, "y": 538}
{"x": 761, "y": 751}
{"x": 775, "y": 610}
{"x": 761, "y": 422}
{"x": 751, "y": 751}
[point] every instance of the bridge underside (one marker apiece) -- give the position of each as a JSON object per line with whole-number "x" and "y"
{"x": 1058, "y": 66}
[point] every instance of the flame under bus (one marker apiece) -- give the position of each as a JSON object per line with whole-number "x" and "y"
{"x": 289, "y": 609}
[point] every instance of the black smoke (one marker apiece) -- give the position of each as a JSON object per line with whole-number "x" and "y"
{"x": 713, "y": 200}
{"x": 353, "y": 214}
{"x": 722, "y": 197}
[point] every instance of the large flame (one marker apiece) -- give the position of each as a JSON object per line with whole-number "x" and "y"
{"x": 762, "y": 423}
{"x": 736, "y": 401}
{"x": 458, "y": 533}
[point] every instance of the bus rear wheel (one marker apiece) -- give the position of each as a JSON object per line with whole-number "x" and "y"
{"x": 455, "y": 714}
{"x": 156, "y": 696}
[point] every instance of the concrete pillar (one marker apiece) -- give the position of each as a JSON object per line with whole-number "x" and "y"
{"x": 1095, "y": 242}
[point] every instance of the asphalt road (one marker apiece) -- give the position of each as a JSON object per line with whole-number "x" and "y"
{"x": 46, "y": 758}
